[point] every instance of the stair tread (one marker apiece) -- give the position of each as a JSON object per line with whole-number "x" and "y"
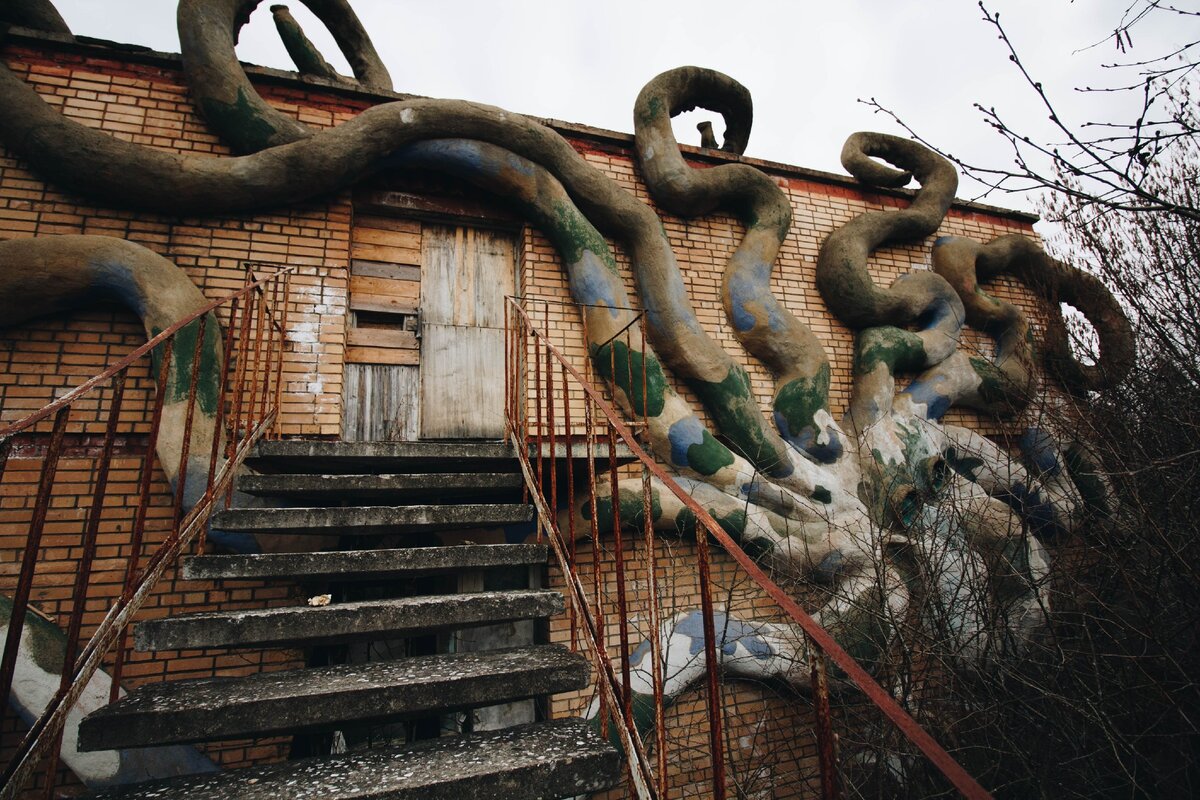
{"x": 362, "y": 564}
{"x": 310, "y": 455}
{"x": 559, "y": 758}
{"x": 386, "y": 484}
{"x": 340, "y": 622}
{"x": 306, "y": 699}
{"x": 360, "y": 519}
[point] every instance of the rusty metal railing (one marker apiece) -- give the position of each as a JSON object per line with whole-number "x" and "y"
{"x": 561, "y": 427}
{"x": 249, "y": 385}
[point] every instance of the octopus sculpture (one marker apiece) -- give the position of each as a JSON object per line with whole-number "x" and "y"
{"x": 888, "y": 498}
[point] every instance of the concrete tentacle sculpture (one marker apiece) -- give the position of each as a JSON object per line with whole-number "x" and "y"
{"x": 764, "y": 327}
{"x": 814, "y": 498}
{"x": 54, "y": 274}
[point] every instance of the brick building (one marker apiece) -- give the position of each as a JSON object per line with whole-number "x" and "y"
{"x": 372, "y": 262}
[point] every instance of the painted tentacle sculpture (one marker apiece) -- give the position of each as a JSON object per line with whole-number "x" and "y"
{"x": 207, "y": 34}
{"x": 55, "y": 274}
{"x": 40, "y": 15}
{"x": 966, "y": 264}
{"x": 764, "y": 327}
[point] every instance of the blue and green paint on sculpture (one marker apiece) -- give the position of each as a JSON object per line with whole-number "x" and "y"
{"x": 37, "y": 678}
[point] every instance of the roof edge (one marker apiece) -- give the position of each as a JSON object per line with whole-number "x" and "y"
{"x": 144, "y": 55}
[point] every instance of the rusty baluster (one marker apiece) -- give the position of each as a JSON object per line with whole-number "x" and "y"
{"x": 599, "y": 644}
{"x": 507, "y": 373}
{"x": 20, "y": 600}
{"x": 283, "y": 329}
{"x": 83, "y": 575}
{"x": 660, "y": 733}
{"x": 645, "y": 395}
{"x": 537, "y": 410}
{"x": 257, "y": 359}
{"x": 239, "y": 383}
{"x": 570, "y": 466}
{"x": 214, "y": 456}
{"x": 552, "y": 418}
{"x": 830, "y": 787}
{"x": 711, "y": 667}
{"x": 622, "y": 597}
{"x": 139, "y": 515}
{"x": 268, "y": 359}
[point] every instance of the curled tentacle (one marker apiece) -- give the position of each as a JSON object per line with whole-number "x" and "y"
{"x": 40, "y": 15}
{"x": 54, "y": 274}
{"x": 842, "y": 276}
{"x": 764, "y": 327}
{"x": 966, "y": 264}
{"x": 94, "y": 163}
{"x": 303, "y": 52}
{"x": 596, "y": 285}
{"x": 207, "y": 34}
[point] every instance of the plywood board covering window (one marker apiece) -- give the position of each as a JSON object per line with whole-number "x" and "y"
{"x": 467, "y": 274}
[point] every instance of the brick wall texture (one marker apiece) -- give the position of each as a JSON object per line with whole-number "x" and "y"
{"x": 148, "y": 103}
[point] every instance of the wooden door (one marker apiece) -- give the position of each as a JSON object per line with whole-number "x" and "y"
{"x": 467, "y": 273}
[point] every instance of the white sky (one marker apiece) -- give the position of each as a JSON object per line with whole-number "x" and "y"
{"x": 806, "y": 64}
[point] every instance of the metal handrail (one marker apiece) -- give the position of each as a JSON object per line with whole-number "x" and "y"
{"x": 647, "y": 783}
{"x": 252, "y": 362}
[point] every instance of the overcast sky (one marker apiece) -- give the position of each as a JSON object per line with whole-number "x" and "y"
{"x": 806, "y": 64}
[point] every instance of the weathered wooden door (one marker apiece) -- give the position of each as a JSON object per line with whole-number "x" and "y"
{"x": 466, "y": 274}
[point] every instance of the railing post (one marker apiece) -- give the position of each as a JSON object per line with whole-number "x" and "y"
{"x": 16, "y": 622}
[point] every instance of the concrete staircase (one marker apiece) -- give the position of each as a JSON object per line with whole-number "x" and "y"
{"x": 376, "y": 496}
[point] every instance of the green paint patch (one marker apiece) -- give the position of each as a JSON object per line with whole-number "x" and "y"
{"x": 643, "y": 720}
{"x": 736, "y": 413}
{"x": 798, "y": 401}
{"x": 686, "y": 523}
{"x": 630, "y": 507}
{"x": 821, "y": 494}
{"x": 573, "y": 235}
{"x": 47, "y": 644}
{"x": 179, "y": 377}
{"x": 652, "y": 111}
{"x": 994, "y": 386}
{"x": 966, "y": 465}
{"x": 733, "y": 523}
{"x": 709, "y": 456}
{"x": 1082, "y": 472}
{"x": 239, "y": 122}
{"x": 900, "y": 350}
{"x": 618, "y": 365}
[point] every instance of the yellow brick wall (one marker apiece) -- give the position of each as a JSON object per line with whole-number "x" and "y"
{"x": 149, "y": 104}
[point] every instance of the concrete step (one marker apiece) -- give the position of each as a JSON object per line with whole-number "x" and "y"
{"x": 371, "y": 520}
{"x": 429, "y": 486}
{"x": 317, "y": 456}
{"x": 562, "y": 758}
{"x": 324, "y": 698}
{"x": 343, "y": 622}
{"x": 322, "y": 456}
{"x": 363, "y": 565}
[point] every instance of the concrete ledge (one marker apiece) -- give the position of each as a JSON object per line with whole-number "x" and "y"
{"x": 360, "y": 520}
{"x": 562, "y": 758}
{"x": 361, "y": 565}
{"x": 314, "y": 699}
{"x": 343, "y": 622}
{"x": 380, "y": 486}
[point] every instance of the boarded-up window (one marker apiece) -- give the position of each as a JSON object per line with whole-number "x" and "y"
{"x": 382, "y": 350}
